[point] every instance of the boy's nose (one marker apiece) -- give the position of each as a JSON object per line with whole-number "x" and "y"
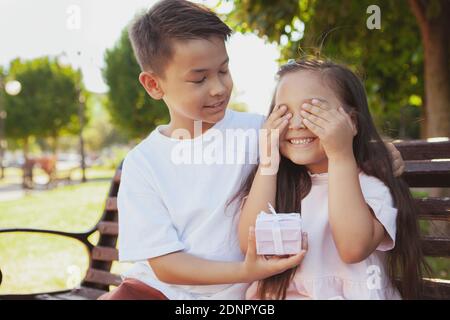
{"x": 218, "y": 88}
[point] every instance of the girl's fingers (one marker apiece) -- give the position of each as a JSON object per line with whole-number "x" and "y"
{"x": 314, "y": 119}
{"x": 278, "y": 112}
{"x": 284, "y": 119}
{"x": 318, "y": 112}
{"x": 283, "y": 126}
{"x": 318, "y": 131}
{"x": 321, "y": 104}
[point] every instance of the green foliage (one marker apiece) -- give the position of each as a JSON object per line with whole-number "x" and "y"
{"x": 48, "y": 101}
{"x": 389, "y": 60}
{"x": 131, "y": 109}
{"x": 100, "y": 132}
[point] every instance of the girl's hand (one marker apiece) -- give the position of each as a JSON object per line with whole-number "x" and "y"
{"x": 257, "y": 267}
{"x": 269, "y": 141}
{"x": 332, "y": 125}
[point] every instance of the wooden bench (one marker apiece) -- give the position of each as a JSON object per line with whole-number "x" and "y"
{"x": 428, "y": 166}
{"x": 98, "y": 278}
{"x": 421, "y": 171}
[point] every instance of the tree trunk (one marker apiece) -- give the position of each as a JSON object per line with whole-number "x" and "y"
{"x": 435, "y": 39}
{"x": 55, "y": 145}
{"x": 27, "y": 169}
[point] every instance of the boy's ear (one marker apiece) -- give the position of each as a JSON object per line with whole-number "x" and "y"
{"x": 151, "y": 84}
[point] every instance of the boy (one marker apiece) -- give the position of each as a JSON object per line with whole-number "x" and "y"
{"x": 175, "y": 221}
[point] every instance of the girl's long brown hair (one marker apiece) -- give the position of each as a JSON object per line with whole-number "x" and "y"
{"x": 405, "y": 262}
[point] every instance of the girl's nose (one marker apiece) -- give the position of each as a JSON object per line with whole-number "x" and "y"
{"x": 296, "y": 122}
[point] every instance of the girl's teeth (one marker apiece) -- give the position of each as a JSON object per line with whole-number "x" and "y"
{"x": 302, "y": 141}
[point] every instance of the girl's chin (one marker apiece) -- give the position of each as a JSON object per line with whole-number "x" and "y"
{"x": 303, "y": 159}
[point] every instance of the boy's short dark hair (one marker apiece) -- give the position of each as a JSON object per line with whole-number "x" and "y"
{"x": 151, "y": 34}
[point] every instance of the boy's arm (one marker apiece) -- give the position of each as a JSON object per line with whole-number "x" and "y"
{"x": 185, "y": 269}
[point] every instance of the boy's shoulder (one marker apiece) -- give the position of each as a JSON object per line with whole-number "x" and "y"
{"x": 244, "y": 120}
{"x": 137, "y": 154}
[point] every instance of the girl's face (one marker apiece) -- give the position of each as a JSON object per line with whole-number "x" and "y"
{"x": 297, "y": 143}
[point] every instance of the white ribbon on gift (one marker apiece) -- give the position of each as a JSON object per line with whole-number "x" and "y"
{"x": 276, "y": 232}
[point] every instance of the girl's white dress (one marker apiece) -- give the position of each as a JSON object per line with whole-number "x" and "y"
{"x": 322, "y": 274}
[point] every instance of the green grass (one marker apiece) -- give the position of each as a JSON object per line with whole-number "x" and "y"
{"x": 32, "y": 262}
{"x": 69, "y": 208}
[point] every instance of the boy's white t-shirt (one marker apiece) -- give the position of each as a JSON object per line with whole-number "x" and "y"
{"x": 172, "y": 199}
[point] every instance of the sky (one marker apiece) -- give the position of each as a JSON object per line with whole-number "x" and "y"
{"x": 34, "y": 28}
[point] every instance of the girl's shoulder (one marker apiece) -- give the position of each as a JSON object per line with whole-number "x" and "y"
{"x": 374, "y": 188}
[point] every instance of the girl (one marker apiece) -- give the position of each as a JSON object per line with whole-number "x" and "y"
{"x": 333, "y": 168}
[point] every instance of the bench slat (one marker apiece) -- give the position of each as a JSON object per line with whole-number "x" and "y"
{"x": 423, "y": 150}
{"x": 105, "y": 254}
{"x": 111, "y": 204}
{"x": 117, "y": 176}
{"x": 434, "y": 208}
{"x": 102, "y": 277}
{"x": 110, "y": 228}
{"x": 436, "y": 289}
{"x": 427, "y": 173}
{"x": 82, "y": 293}
{"x": 436, "y": 247}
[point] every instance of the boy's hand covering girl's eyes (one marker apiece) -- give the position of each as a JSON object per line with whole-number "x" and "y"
{"x": 332, "y": 125}
{"x": 257, "y": 267}
{"x": 275, "y": 124}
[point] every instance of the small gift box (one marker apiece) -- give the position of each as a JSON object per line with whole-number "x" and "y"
{"x": 278, "y": 234}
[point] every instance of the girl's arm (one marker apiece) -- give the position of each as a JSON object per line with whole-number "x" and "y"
{"x": 356, "y": 231}
{"x": 263, "y": 189}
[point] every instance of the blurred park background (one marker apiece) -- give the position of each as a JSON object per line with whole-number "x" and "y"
{"x": 71, "y": 105}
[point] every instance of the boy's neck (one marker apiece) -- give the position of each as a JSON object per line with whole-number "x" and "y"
{"x": 192, "y": 127}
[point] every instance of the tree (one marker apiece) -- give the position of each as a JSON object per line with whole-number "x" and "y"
{"x": 131, "y": 109}
{"x": 434, "y": 23}
{"x": 391, "y": 58}
{"x": 47, "y": 103}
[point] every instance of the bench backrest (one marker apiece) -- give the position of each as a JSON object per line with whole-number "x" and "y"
{"x": 427, "y": 166}
{"x": 102, "y": 255}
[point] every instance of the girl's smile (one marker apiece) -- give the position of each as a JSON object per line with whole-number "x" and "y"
{"x": 302, "y": 142}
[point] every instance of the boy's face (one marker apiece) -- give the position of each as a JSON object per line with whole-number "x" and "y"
{"x": 197, "y": 83}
